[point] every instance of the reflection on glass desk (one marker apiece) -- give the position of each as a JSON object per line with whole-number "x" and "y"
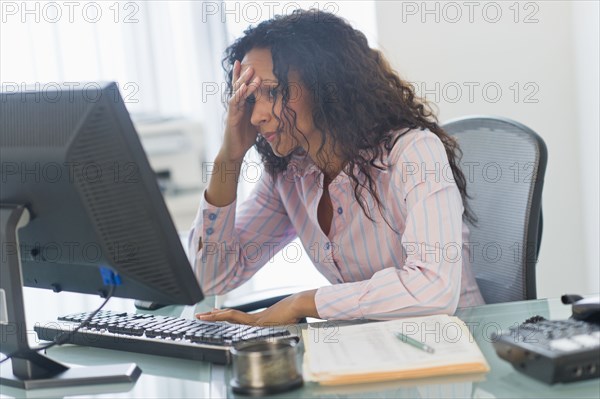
{"x": 166, "y": 377}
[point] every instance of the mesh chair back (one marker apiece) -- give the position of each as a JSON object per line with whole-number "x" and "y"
{"x": 504, "y": 164}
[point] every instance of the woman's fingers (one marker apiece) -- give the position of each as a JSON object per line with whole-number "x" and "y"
{"x": 252, "y": 87}
{"x": 242, "y": 86}
{"x": 209, "y": 312}
{"x": 244, "y": 78}
{"x": 238, "y": 95}
{"x": 236, "y": 71}
{"x": 230, "y": 315}
{"x": 236, "y": 78}
{"x": 245, "y": 91}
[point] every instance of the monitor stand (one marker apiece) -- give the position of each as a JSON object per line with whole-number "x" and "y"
{"x": 28, "y": 369}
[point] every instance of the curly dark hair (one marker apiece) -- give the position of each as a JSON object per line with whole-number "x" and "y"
{"x": 358, "y": 99}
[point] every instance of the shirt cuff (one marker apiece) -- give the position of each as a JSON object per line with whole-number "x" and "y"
{"x": 217, "y": 223}
{"x": 211, "y": 222}
{"x": 340, "y": 301}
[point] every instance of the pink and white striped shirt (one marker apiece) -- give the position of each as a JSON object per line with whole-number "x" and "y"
{"x": 376, "y": 273}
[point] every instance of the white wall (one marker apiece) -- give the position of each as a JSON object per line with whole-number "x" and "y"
{"x": 553, "y": 60}
{"x": 587, "y": 64}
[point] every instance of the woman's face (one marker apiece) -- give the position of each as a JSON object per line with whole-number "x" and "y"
{"x": 289, "y": 138}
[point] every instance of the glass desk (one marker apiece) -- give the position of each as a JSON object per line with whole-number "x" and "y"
{"x": 167, "y": 377}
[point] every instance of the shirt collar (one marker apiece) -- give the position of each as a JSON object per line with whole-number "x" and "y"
{"x": 302, "y": 165}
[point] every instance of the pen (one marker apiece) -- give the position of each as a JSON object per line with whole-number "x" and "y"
{"x": 414, "y": 343}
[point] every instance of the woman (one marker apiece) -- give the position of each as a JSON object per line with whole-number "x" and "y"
{"x": 356, "y": 167}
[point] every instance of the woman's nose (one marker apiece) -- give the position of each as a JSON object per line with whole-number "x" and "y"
{"x": 261, "y": 112}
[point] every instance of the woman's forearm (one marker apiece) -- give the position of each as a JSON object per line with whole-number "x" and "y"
{"x": 304, "y": 304}
{"x": 222, "y": 187}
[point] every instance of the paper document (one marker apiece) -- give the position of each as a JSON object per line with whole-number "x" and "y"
{"x": 372, "y": 352}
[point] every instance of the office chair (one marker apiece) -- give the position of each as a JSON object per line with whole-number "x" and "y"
{"x": 504, "y": 163}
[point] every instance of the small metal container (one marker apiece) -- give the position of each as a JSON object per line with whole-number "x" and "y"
{"x": 265, "y": 367}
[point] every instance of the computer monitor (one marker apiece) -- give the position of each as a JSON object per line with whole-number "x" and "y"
{"x": 71, "y": 158}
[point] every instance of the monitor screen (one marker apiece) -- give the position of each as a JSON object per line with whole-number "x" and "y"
{"x": 74, "y": 159}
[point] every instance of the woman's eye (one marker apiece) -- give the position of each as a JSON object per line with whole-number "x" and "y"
{"x": 273, "y": 93}
{"x": 251, "y": 99}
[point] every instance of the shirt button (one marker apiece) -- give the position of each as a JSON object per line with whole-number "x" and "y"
{"x": 212, "y": 216}
{"x": 340, "y": 210}
{"x": 327, "y": 246}
{"x": 209, "y": 231}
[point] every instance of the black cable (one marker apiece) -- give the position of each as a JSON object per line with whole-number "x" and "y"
{"x": 63, "y": 337}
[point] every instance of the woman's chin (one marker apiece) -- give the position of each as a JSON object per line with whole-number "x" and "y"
{"x": 281, "y": 152}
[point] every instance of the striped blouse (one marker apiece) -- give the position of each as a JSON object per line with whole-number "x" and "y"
{"x": 415, "y": 261}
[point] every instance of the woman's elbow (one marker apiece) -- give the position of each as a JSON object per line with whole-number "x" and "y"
{"x": 451, "y": 305}
{"x": 450, "y": 295}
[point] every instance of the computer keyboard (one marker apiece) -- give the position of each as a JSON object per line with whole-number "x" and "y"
{"x": 158, "y": 335}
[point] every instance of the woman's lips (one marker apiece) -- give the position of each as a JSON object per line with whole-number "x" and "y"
{"x": 270, "y": 137}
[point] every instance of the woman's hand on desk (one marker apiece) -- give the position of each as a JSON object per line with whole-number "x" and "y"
{"x": 286, "y": 311}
